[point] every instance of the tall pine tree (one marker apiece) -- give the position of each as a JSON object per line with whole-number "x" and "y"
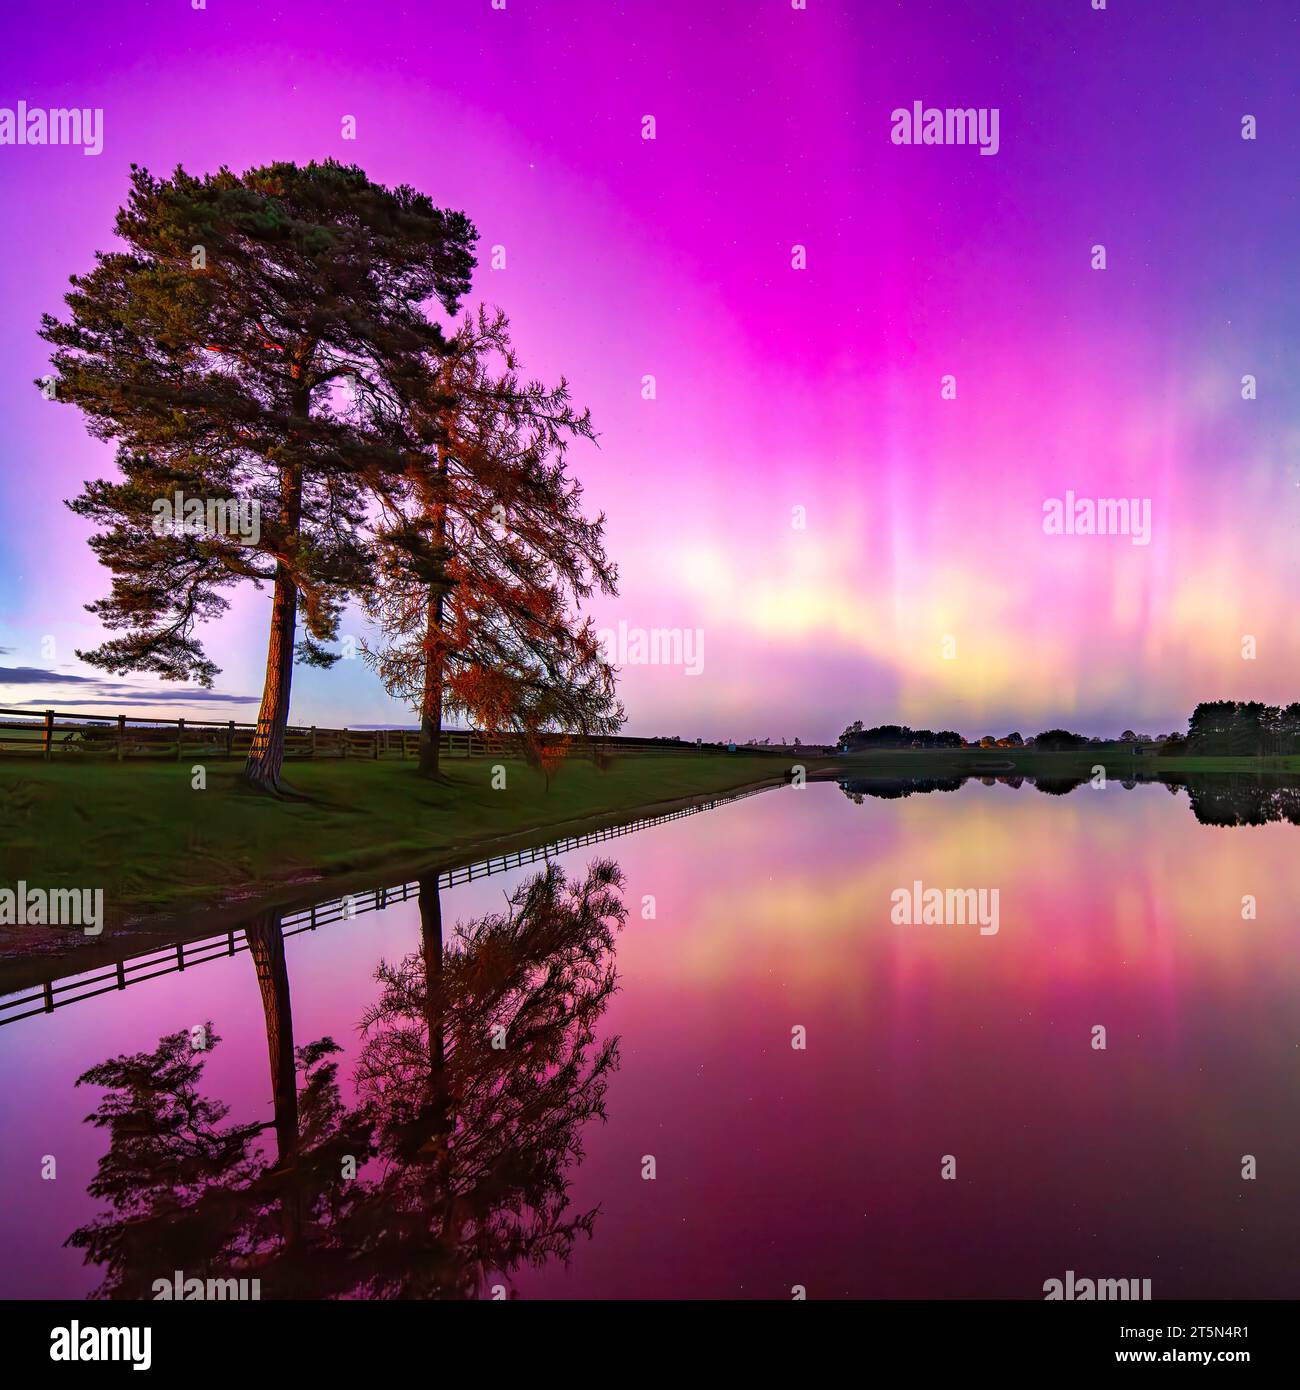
{"x": 484, "y": 553}
{"x": 225, "y": 350}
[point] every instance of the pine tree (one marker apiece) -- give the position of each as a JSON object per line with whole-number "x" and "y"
{"x": 224, "y": 350}
{"x": 485, "y": 554}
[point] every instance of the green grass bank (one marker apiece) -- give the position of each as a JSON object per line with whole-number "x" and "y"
{"x": 158, "y": 846}
{"x": 169, "y": 856}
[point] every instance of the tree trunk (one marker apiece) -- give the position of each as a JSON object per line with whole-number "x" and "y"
{"x": 266, "y": 754}
{"x": 431, "y": 695}
{"x": 431, "y": 698}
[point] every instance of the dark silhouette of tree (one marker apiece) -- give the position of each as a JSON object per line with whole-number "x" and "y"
{"x": 1215, "y": 798}
{"x": 1288, "y": 728}
{"x": 451, "y": 1165}
{"x": 1058, "y": 786}
{"x": 242, "y": 1210}
{"x": 893, "y": 788}
{"x": 485, "y": 553}
{"x": 1224, "y": 728}
{"x": 1243, "y": 728}
{"x": 855, "y": 737}
{"x": 1059, "y": 741}
{"x": 189, "y": 1192}
{"x": 1233, "y": 799}
{"x": 480, "y": 1069}
{"x": 230, "y": 349}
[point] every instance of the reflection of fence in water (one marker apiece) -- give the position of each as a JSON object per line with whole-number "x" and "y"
{"x": 149, "y": 965}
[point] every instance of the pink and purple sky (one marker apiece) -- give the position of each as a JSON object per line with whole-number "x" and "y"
{"x": 777, "y": 388}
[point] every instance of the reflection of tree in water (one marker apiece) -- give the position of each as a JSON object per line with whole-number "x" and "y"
{"x": 1216, "y": 798}
{"x": 1232, "y": 798}
{"x": 890, "y": 788}
{"x": 470, "y": 1142}
{"x": 480, "y": 1069}
{"x": 1058, "y": 786}
{"x": 190, "y": 1192}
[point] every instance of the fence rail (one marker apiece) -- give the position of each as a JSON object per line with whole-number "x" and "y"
{"x": 76, "y": 987}
{"x": 53, "y": 735}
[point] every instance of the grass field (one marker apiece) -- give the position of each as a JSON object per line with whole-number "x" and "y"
{"x": 153, "y": 843}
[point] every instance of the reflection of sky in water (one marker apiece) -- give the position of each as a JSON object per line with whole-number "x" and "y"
{"x": 778, "y": 1167}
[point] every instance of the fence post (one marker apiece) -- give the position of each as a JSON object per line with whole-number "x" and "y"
{"x": 230, "y": 739}
{"x": 343, "y": 744}
{"x": 121, "y": 736}
{"x": 374, "y": 745}
{"x": 49, "y": 733}
{"x": 180, "y": 737}
{"x": 313, "y": 740}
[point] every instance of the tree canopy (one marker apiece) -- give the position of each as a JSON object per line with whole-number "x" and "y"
{"x": 484, "y": 553}
{"x": 855, "y": 737}
{"x": 223, "y": 350}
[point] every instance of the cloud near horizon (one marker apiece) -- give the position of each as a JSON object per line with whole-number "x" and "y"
{"x": 110, "y": 692}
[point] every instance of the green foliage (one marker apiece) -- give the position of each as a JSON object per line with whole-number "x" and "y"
{"x": 1244, "y": 728}
{"x": 855, "y": 738}
{"x": 1059, "y": 740}
{"x": 485, "y": 555}
{"x": 214, "y": 349}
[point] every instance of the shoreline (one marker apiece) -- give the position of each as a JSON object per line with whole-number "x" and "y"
{"x": 354, "y": 852}
{"x": 37, "y": 956}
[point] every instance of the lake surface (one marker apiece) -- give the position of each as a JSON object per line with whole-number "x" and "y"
{"x": 502, "y": 1095}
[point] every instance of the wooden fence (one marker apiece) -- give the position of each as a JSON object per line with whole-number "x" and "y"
{"x": 55, "y": 736}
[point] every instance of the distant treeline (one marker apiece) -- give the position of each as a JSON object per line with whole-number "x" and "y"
{"x": 896, "y": 736}
{"x": 1240, "y": 728}
{"x": 855, "y": 738}
{"x": 1243, "y": 727}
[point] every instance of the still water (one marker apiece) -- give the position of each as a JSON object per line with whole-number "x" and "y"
{"x": 541, "y": 1100}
